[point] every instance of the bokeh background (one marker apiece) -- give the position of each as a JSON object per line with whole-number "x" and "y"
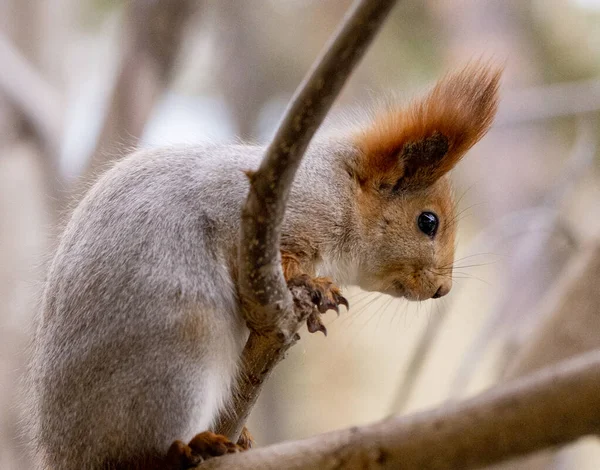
{"x": 82, "y": 81}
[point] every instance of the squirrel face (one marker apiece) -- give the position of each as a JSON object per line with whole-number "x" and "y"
{"x": 409, "y": 241}
{"x": 404, "y": 199}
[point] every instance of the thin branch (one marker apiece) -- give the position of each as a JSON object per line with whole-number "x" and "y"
{"x": 268, "y": 304}
{"x": 38, "y": 104}
{"x": 551, "y": 407}
{"x": 32, "y": 95}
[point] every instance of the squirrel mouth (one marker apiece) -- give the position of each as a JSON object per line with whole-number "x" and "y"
{"x": 399, "y": 290}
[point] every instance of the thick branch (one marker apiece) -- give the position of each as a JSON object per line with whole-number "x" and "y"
{"x": 551, "y": 407}
{"x": 260, "y": 356}
{"x": 268, "y": 304}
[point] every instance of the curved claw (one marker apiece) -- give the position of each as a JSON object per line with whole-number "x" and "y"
{"x": 341, "y": 300}
{"x": 329, "y": 304}
{"x": 325, "y": 295}
{"x": 314, "y": 324}
{"x": 326, "y": 305}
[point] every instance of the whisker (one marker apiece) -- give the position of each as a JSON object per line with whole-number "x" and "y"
{"x": 478, "y": 265}
{"x": 363, "y": 296}
{"x": 458, "y": 201}
{"x": 356, "y": 313}
{"x": 403, "y": 313}
{"x": 458, "y": 260}
{"x": 483, "y": 253}
{"x": 376, "y": 311}
{"x": 387, "y": 304}
{"x": 458, "y": 215}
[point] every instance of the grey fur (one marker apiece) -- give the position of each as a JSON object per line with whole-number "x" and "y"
{"x": 139, "y": 332}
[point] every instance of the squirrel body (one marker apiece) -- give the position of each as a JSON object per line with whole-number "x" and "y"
{"x": 139, "y": 335}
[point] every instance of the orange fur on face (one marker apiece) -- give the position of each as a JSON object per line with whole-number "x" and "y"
{"x": 400, "y": 171}
{"x": 413, "y": 147}
{"x": 401, "y": 260}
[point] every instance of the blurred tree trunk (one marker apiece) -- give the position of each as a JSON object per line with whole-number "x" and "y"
{"x": 153, "y": 33}
{"x": 472, "y": 30}
{"x": 244, "y": 69}
{"x": 32, "y": 193}
{"x": 501, "y": 26}
{"x": 26, "y": 171}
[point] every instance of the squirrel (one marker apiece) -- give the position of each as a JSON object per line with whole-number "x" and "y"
{"x": 139, "y": 335}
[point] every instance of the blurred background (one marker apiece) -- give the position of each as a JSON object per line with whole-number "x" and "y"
{"x": 83, "y": 81}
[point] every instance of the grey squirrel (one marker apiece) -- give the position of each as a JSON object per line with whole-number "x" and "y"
{"x": 139, "y": 334}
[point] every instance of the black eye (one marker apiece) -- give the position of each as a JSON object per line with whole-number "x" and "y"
{"x": 428, "y": 223}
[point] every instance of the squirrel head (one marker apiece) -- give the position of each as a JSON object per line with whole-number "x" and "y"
{"x": 403, "y": 192}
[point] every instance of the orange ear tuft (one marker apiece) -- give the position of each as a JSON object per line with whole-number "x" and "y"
{"x": 413, "y": 147}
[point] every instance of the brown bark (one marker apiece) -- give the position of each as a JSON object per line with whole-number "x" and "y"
{"x": 551, "y": 407}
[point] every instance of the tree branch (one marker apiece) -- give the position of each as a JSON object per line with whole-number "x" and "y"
{"x": 33, "y": 96}
{"x": 552, "y": 407}
{"x": 568, "y": 325}
{"x": 268, "y": 305}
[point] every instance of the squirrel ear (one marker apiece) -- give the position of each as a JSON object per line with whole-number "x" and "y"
{"x": 414, "y": 147}
{"x": 421, "y": 162}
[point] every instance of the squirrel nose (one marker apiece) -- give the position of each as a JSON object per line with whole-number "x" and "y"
{"x": 442, "y": 291}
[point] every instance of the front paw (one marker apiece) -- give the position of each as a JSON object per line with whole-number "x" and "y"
{"x": 324, "y": 294}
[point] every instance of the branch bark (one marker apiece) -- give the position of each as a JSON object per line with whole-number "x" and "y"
{"x": 554, "y": 406}
{"x": 268, "y": 305}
